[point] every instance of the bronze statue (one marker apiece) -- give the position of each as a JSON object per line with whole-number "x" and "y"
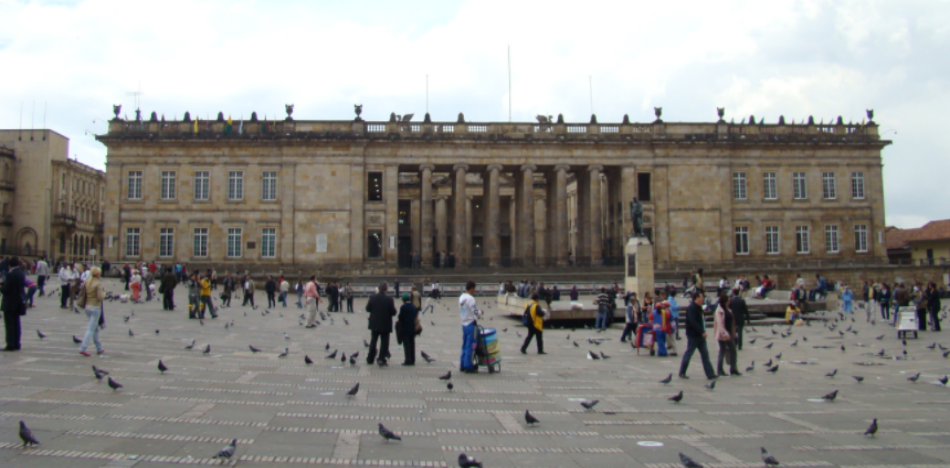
{"x": 636, "y": 215}
{"x": 290, "y": 111}
{"x": 358, "y": 108}
{"x": 117, "y": 108}
{"x": 658, "y": 112}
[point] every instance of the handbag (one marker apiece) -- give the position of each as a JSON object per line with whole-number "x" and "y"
{"x": 418, "y": 326}
{"x": 81, "y": 301}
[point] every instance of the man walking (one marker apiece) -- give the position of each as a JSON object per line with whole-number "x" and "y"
{"x": 311, "y": 299}
{"x": 42, "y": 272}
{"x": 740, "y": 312}
{"x": 284, "y": 289}
{"x": 603, "y": 308}
{"x": 536, "y": 318}
{"x": 12, "y": 304}
{"x": 696, "y": 336}
{"x": 66, "y": 279}
{"x": 468, "y": 309}
{"x": 381, "y": 310}
{"x": 169, "y": 281}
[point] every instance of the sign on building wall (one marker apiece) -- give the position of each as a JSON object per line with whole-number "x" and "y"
{"x": 321, "y": 243}
{"x": 392, "y": 242}
{"x": 110, "y": 241}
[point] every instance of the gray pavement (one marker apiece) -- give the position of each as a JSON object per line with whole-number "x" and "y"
{"x": 285, "y": 413}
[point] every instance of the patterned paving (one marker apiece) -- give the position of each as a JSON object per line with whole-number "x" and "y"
{"x": 286, "y": 413}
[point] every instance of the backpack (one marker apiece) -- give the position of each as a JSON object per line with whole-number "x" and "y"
{"x": 526, "y": 317}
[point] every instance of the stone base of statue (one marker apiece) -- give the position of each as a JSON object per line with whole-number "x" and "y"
{"x": 638, "y": 276}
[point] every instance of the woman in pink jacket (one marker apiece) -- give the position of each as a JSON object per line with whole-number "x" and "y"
{"x": 724, "y": 329}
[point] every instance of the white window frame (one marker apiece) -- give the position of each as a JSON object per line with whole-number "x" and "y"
{"x": 199, "y": 243}
{"x": 202, "y": 185}
{"x": 135, "y": 185}
{"x": 166, "y": 242}
{"x": 773, "y": 240}
{"x": 770, "y": 186}
{"x": 236, "y": 185}
{"x": 802, "y": 239}
{"x": 799, "y": 186}
{"x": 269, "y": 186}
{"x": 832, "y": 244}
{"x": 268, "y": 242}
{"x": 828, "y": 186}
{"x": 234, "y": 240}
{"x": 857, "y": 185}
{"x": 133, "y": 242}
{"x": 168, "y": 185}
{"x": 742, "y": 240}
{"x": 861, "y": 238}
{"x": 739, "y": 188}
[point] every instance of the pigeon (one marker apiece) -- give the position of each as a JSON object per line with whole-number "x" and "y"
{"x": 40, "y": 334}
{"x": 156, "y": 331}
{"x": 773, "y": 369}
{"x": 285, "y": 353}
{"x": 769, "y": 346}
{"x": 126, "y": 319}
{"x": 667, "y": 380}
{"x": 568, "y": 336}
{"x": 589, "y": 405}
{"x": 332, "y": 355}
{"x": 528, "y": 418}
{"x": 752, "y": 341}
{"x": 842, "y": 348}
{"x": 751, "y": 367}
{"x": 945, "y": 354}
{"x": 343, "y": 358}
{"x": 591, "y": 355}
{"x": 676, "y": 398}
{"x": 778, "y": 356}
{"x": 428, "y": 359}
{"x": 858, "y": 378}
{"x": 228, "y": 451}
{"x": 881, "y": 353}
{"x": 386, "y": 434}
{"x": 365, "y": 344}
{"x": 768, "y": 459}
{"x": 466, "y": 461}
{"x": 795, "y": 343}
{"x": 286, "y": 336}
{"x": 604, "y": 356}
{"x": 353, "y": 391}
{"x": 253, "y": 349}
{"x": 354, "y": 355}
{"x": 767, "y": 364}
{"x": 941, "y": 347}
{"x": 100, "y": 371}
{"x": 449, "y": 386}
{"x": 447, "y": 376}
{"x": 201, "y": 322}
{"x": 943, "y": 380}
{"x": 575, "y": 344}
{"x": 804, "y": 338}
{"x": 26, "y": 435}
{"x": 832, "y": 373}
{"x": 327, "y": 347}
{"x": 872, "y": 429}
{"x": 914, "y": 378}
{"x": 711, "y": 385}
{"x": 689, "y": 462}
{"x": 831, "y": 396}
{"x": 774, "y": 332}
{"x": 931, "y": 346}
{"x": 98, "y": 375}
{"x": 161, "y": 366}
{"x": 207, "y": 349}
{"x": 192, "y": 345}
{"x": 114, "y": 385}
{"x": 433, "y": 324}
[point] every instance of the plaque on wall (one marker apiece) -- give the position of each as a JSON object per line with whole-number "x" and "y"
{"x": 251, "y": 245}
{"x": 631, "y": 264}
{"x": 321, "y": 243}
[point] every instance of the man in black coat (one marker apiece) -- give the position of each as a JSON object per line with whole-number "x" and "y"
{"x": 741, "y": 313}
{"x": 381, "y": 310}
{"x": 168, "y": 289}
{"x": 12, "y": 304}
{"x": 696, "y": 336}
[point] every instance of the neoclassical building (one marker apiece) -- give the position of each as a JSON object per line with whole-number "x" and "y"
{"x": 359, "y": 197}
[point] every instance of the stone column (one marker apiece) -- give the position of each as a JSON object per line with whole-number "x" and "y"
{"x": 596, "y": 215}
{"x": 467, "y": 241}
{"x": 461, "y": 235}
{"x": 556, "y": 221}
{"x": 583, "y": 219}
{"x": 441, "y": 223}
{"x": 425, "y": 209}
{"x": 492, "y": 201}
{"x": 526, "y": 227}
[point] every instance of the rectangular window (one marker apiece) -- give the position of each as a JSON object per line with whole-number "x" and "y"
{"x": 200, "y": 245}
{"x": 168, "y": 185}
{"x": 828, "y": 186}
{"x": 738, "y": 186}
{"x": 861, "y": 238}
{"x": 135, "y": 185}
{"x": 831, "y": 239}
{"x": 771, "y": 186}
{"x": 857, "y": 185}
{"x": 771, "y": 240}
{"x": 375, "y": 247}
{"x": 742, "y": 240}
{"x": 374, "y": 186}
{"x": 269, "y": 243}
{"x": 801, "y": 240}
{"x": 132, "y": 242}
{"x": 235, "y": 185}
{"x": 202, "y": 185}
{"x": 798, "y": 183}
{"x": 643, "y": 186}
{"x": 166, "y": 242}
{"x": 234, "y": 242}
{"x": 269, "y": 186}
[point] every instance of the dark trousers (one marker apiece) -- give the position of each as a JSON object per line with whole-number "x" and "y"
{"x": 921, "y": 319}
{"x": 935, "y": 318}
{"x": 226, "y": 298}
{"x": 628, "y": 331}
{"x": 168, "y": 300}
{"x": 248, "y": 296}
{"x": 11, "y": 321}
{"x": 383, "y": 339}
{"x": 409, "y": 348}
{"x": 206, "y": 302}
{"x": 739, "y": 328}
{"x": 64, "y": 295}
{"x": 727, "y": 349}
{"x": 349, "y": 304}
{"x": 271, "y": 301}
{"x": 885, "y": 311}
{"x": 532, "y": 332}
{"x": 693, "y": 344}
{"x": 40, "y": 283}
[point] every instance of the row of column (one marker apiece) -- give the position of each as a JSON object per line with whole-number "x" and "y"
{"x": 589, "y": 236}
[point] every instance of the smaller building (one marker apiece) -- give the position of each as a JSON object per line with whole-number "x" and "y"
{"x": 926, "y": 245}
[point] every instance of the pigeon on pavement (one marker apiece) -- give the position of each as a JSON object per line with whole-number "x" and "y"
{"x": 40, "y": 334}
{"x": 161, "y": 366}
{"x": 426, "y": 357}
{"x": 914, "y": 378}
{"x": 858, "y": 378}
{"x": 332, "y": 355}
{"x": 253, "y": 349}
{"x": 466, "y": 461}
{"x": 27, "y": 436}
{"x": 207, "y": 349}
{"x": 831, "y": 396}
{"x": 307, "y": 360}
{"x": 285, "y": 353}
{"x": 832, "y": 373}
{"x": 676, "y": 398}
{"x": 386, "y": 434}
{"x": 773, "y": 369}
{"x": 228, "y": 451}
{"x": 353, "y": 391}
{"x": 589, "y": 405}
{"x": 872, "y": 429}
{"x": 114, "y": 385}
{"x": 768, "y": 459}
{"x": 192, "y": 345}
{"x": 447, "y": 376}
{"x": 667, "y": 380}
{"x": 689, "y": 462}
{"x": 76, "y": 340}
{"x": 529, "y": 418}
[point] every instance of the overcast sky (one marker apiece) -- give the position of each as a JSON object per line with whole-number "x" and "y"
{"x": 767, "y": 58}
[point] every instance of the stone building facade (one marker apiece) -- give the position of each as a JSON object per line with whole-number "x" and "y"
{"x": 359, "y": 196}
{"x": 50, "y": 205}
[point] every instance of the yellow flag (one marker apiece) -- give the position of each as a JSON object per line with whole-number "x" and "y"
{"x": 196, "y": 125}
{"x": 229, "y": 120}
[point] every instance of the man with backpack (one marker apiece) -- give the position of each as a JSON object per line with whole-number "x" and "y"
{"x": 533, "y": 318}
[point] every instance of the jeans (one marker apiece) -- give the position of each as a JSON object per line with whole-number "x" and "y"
{"x": 897, "y": 307}
{"x": 383, "y": 339}
{"x": 693, "y": 344}
{"x": 168, "y": 300}
{"x": 601, "y": 322}
{"x": 935, "y": 318}
{"x": 532, "y": 333}
{"x": 740, "y": 326}
{"x": 29, "y": 295}
{"x": 428, "y": 307}
{"x": 349, "y": 307}
{"x": 727, "y": 349}
{"x": 206, "y": 302}
{"x": 468, "y": 346}
{"x": 40, "y": 283}
{"x": 63, "y": 295}
{"x": 660, "y": 347}
{"x": 271, "y": 301}
{"x": 283, "y": 297}
{"x": 885, "y": 311}
{"x": 92, "y": 328}
{"x": 300, "y": 299}
{"x": 628, "y": 331}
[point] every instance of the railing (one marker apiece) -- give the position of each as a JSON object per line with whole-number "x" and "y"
{"x": 376, "y": 128}
{"x": 576, "y": 129}
{"x": 478, "y": 128}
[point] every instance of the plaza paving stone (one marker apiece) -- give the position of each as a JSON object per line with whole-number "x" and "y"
{"x": 286, "y": 413}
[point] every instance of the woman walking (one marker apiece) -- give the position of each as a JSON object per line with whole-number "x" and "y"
{"x": 406, "y": 328}
{"x": 94, "y": 294}
{"x": 847, "y": 300}
{"x": 136, "y": 284}
{"x": 724, "y": 329}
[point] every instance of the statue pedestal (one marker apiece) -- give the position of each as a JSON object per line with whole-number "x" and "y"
{"x": 638, "y": 276}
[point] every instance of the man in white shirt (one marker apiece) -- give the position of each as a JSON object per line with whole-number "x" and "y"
{"x": 66, "y": 277}
{"x": 42, "y": 271}
{"x": 468, "y": 309}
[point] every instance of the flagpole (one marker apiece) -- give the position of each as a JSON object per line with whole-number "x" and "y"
{"x": 509, "y": 82}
